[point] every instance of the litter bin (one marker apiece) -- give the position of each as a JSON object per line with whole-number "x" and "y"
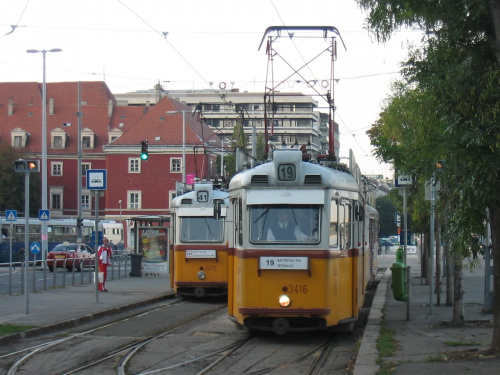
{"x": 399, "y": 286}
{"x": 400, "y": 254}
{"x": 135, "y": 265}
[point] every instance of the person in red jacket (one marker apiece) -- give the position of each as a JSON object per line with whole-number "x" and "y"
{"x": 104, "y": 255}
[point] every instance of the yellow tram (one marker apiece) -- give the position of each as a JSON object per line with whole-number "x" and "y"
{"x": 198, "y": 254}
{"x": 312, "y": 272}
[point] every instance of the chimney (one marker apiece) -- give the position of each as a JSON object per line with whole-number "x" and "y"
{"x": 110, "y": 108}
{"x": 157, "y": 93}
{"x": 11, "y": 107}
{"x": 51, "y": 106}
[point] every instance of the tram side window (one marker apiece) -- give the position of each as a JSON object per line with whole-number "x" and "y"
{"x": 334, "y": 234}
{"x": 58, "y": 234}
{"x": 345, "y": 227}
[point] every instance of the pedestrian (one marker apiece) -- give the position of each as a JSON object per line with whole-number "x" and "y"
{"x": 104, "y": 255}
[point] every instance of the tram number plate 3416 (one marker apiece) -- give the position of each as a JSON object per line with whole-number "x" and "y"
{"x": 283, "y": 263}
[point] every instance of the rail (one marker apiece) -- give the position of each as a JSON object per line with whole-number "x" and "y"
{"x": 40, "y": 278}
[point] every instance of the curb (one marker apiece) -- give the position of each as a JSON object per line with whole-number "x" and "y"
{"x": 71, "y": 323}
{"x": 366, "y": 359}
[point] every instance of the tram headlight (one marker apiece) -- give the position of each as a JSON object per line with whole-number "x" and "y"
{"x": 201, "y": 275}
{"x": 284, "y": 300}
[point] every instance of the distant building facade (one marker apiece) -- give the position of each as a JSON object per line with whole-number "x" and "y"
{"x": 295, "y": 118}
{"x": 110, "y": 139}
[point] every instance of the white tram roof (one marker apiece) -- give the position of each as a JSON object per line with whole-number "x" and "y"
{"x": 191, "y": 198}
{"x": 309, "y": 175}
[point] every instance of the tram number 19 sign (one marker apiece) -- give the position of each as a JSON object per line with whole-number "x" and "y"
{"x": 286, "y": 172}
{"x": 283, "y": 263}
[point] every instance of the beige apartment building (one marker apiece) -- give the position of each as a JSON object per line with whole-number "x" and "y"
{"x": 296, "y": 118}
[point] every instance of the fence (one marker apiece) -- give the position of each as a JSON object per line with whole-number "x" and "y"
{"x": 40, "y": 278}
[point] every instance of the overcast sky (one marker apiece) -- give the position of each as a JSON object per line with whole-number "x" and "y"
{"x": 199, "y": 44}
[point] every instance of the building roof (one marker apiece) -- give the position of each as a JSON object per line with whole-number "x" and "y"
{"x": 161, "y": 128}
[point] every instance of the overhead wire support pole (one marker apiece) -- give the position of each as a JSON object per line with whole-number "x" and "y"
{"x": 329, "y": 97}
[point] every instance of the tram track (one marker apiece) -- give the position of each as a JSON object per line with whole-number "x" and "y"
{"x": 201, "y": 341}
{"x": 23, "y": 358}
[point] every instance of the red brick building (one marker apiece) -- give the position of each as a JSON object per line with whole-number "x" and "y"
{"x": 111, "y": 138}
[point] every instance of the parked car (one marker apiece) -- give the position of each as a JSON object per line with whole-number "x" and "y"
{"x": 387, "y": 244}
{"x": 78, "y": 255}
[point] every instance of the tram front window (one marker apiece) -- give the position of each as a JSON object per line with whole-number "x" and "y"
{"x": 284, "y": 224}
{"x": 201, "y": 229}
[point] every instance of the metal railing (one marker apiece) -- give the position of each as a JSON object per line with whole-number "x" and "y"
{"x": 12, "y": 275}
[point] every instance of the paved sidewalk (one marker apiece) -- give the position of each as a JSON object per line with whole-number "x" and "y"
{"x": 52, "y": 310}
{"x": 427, "y": 344}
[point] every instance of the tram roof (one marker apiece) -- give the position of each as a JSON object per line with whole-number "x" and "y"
{"x": 310, "y": 175}
{"x": 214, "y": 194}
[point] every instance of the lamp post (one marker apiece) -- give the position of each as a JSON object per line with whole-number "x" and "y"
{"x": 44, "y": 149}
{"x": 183, "y": 167}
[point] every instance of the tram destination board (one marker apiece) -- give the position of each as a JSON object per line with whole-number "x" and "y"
{"x": 282, "y": 263}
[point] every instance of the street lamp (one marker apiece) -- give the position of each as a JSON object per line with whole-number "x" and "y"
{"x": 44, "y": 149}
{"x": 183, "y": 143}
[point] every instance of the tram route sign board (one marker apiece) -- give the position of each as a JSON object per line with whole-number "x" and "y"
{"x": 96, "y": 179}
{"x": 283, "y": 263}
{"x": 403, "y": 180}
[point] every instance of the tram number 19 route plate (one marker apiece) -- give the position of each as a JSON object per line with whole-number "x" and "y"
{"x": 283, "y": 263}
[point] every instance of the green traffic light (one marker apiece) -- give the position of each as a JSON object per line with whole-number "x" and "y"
{"x": 144, "y": 150}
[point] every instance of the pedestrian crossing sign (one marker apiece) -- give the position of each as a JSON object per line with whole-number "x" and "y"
{"x": 43, "y": 214}
{"x": 11, "y": 215}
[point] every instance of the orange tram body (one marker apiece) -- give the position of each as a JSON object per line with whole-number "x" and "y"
{"x": 312, "y": 272}
{"x": 198, "y": 254}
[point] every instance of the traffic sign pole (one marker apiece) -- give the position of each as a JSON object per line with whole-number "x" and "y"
{"x": 11, "y": 216}
{"x": 26, "y": 237}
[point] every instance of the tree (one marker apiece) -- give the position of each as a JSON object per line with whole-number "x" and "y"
{"x": 12, "y": 183}
{"x": 387, "y": 211}
{"x": 455, "y": 80}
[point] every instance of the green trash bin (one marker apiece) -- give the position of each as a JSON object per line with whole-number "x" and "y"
{"x": 400, "y": 254}
{"x": 399, "y": 286}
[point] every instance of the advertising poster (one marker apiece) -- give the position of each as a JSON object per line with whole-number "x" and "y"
{"x": 153, "y": 244}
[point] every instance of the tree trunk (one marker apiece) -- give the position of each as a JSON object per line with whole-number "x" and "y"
{"x": 458, "y": 302}
{"x": 449, "y": 275}
{"x": 495, "y": 241}
{"x": 424, "y": 266}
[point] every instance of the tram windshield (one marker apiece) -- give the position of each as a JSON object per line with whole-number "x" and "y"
{"x": 201, "y": 229}
{"x": 284, "y": 223}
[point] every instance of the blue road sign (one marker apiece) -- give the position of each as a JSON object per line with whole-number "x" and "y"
{"x": 11, "y": 215}
{"x": 35, "y": 248}
{"x": 43, "y": 214}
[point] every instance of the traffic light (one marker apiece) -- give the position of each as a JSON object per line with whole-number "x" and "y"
{"x": 440, "y": 166}
{"x": 144, "y": 150}
{"x": 27, "y": 165}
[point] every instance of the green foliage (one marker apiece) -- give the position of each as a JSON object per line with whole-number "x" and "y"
{"x": 12, "y": 183}
{"x": 446, "y": 107}
{"x": 7, "y": 329}
{"x": 387, "y": 211}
